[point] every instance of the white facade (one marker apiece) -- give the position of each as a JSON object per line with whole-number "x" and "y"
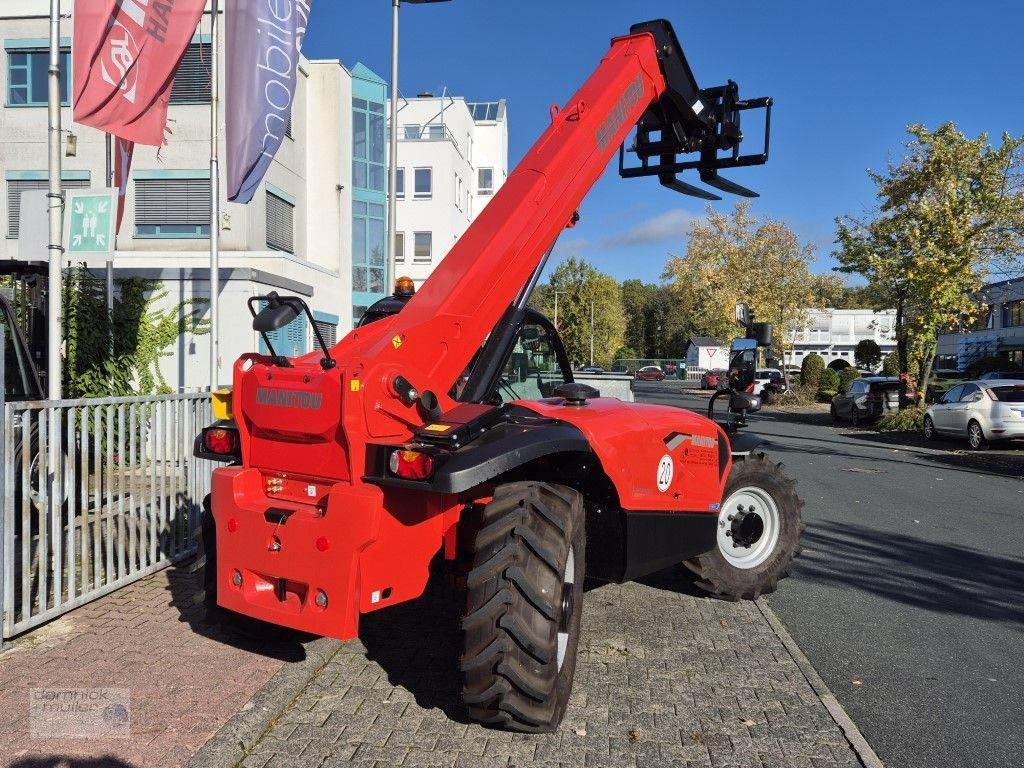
{"x": 834, "y": 334}
{"x": 707, "y": 354}
{"x": 452, "y": 159}
{"x": 310, "y": 180}
{"x": 998, "y": 333}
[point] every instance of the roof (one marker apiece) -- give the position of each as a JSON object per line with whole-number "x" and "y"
{"x": 363, "y": 72}
{"x": 704, "y": 341}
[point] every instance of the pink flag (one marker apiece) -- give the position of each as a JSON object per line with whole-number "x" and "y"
{"x": 123, "y": 151}
{"x": 126, "y": 53}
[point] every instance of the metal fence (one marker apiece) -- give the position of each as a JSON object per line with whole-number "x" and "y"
{"x": 97, "y": 493}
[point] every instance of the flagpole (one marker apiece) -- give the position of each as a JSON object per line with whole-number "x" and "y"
{"x": 55, "y": 208}
{"x": 214, "y": 195}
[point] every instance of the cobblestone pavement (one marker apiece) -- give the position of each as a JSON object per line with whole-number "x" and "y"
{"x": 665, "y": 678}
{"x": 186, "y": 677}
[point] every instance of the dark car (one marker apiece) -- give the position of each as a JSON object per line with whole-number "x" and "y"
{"x": 714, "y": 379}
{"x": 864, "y": 400}
{"x": 650, "y": 373}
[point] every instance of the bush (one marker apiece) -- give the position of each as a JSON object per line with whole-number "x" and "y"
{"x": 868, "y": 354}
{"x": 810, "y": 370}
{"x": 891, "y": 365}
{"x": 796, "y": 395}
{"x": 829, "y": 381}
{"x": 906, "y": 420}
{"x": 847, "y": 375}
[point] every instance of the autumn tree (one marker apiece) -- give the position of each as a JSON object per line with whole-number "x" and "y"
{"x": 580, "y": 289}
{"x": 867, "y": 354}
{"x": 949, "y": 214}
{"x": 736, "y": 257}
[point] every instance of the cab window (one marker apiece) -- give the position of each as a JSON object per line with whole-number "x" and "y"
{"x": 533, "y": 370}
{"x": 17, "y": 375}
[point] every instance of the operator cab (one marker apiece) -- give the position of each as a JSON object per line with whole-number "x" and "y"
{"x": 405, "y": 289}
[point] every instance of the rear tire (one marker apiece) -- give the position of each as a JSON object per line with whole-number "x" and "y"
{"x": 975, "y": 436}
{"x": 524, "y": 597}
{"x": 768, "y": 533}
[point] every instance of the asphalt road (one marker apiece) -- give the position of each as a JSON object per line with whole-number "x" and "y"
{"x": 909, "y": 597}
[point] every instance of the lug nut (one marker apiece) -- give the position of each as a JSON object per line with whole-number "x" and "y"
{"x": 321, "y": 598}
{"x": 236, "y": 578}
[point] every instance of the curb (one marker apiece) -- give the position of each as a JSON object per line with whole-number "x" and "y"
{"x": 233, "y": 740}
{"x": 856, "y": 739}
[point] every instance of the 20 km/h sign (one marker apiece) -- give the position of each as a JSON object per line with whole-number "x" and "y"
{"x": 90, "y": 216}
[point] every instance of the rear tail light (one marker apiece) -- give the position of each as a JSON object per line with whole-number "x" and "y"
{"x": 411, "y": 465}
{"x": 221, "y": 441}
{"x": 991, "y": 395}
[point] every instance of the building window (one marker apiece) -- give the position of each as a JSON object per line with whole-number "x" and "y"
{"x": 289, "y": 341}
{"x": 368, "y": 145}
{"x": 435, "y": 131}
{"x": 400, "y": 183}
{"x": 411, "y": 132}
{"x": 369, "y": 260}
{"x": 172, "y": 208}
{"x": 485, "y": 181}
{"x": 16, "y": 186}
{"x": 280, "y": 224}
{"x": 424, "y": 181}
{"x": 1013, "y": 313}
{"x": 458, "y": 191}
{"x": 27, "y": 72}
{"x": 328, "y": 330}
{"x": 399, "y": 246}
{"x": 192, "y": 80}
{"x": 423, "y": 247}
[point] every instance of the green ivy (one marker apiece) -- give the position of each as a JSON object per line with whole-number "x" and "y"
{"x": 119, "y": 354}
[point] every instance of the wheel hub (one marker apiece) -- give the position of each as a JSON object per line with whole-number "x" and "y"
{"x": 749, "y": 525}
{"x": 568, "y": 606}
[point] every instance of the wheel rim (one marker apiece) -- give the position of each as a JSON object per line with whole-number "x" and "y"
{"x": 568, "y": 587}
{"x": 929, "y": 428}
{"x": 974, "y": 435}
{"x": 748, "y": 527}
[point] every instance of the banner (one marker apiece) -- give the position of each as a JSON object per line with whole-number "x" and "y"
{"x": 123, "y": 151}
{"x": 263, "y": 44}
{"x": 125, "y": 55}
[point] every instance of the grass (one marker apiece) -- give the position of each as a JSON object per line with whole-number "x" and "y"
{"x": 906, "y": 420}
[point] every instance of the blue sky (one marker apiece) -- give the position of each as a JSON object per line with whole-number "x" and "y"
{"x": 846, "y": 78}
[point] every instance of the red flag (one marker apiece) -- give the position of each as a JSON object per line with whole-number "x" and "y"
{"x": 123, "y": 151}
{"x": 125, "y": 55}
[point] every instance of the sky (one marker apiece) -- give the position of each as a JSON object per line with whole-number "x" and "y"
{"x": 846, "y": 77}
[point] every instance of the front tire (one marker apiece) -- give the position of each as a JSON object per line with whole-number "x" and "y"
{"x": 523, "y": 603}
{"x": 928, "y": 428}
{"x": 759, "y": 531}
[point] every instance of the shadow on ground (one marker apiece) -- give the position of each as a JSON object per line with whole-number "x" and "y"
{"x": 68, "y": 761}
{"x": 185, "y": 585}
{"x": 940, "y": 577}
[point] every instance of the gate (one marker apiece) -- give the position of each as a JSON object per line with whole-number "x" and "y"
{"x": 96, "y": 493}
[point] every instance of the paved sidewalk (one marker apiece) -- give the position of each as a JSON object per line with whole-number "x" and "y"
{"x": 665, "y": 678}
{"x": 186, "y": 677}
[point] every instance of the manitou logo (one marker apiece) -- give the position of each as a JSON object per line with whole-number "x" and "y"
{"x": 620, "y": 112}
{"x": 289, "y": 398}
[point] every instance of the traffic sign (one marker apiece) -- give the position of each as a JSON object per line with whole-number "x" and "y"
{"x": 90, "y": 216}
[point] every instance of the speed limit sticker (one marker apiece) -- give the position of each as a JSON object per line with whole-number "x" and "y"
{"x": 665, "y": 472}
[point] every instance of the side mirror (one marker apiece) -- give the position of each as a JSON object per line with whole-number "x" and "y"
{"x": 741, "y": 402}
{"x": 275, "y": 315}
{"x": 743, "y": 315}
{"x": 761, "y": 333}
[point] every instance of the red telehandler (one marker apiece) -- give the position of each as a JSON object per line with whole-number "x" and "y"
{"x": 452, "y": 427}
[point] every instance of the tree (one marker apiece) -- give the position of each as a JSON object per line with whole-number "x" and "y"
{"x": 867, "y": 354}
{"x": 847, "y": 375}
{"x": 811, "y": 369}
{"x": 636, "y": 304}
{"x": 891, "y": 365}
{"x": 828, "y": 385}
{"x": 739, "y": 258}
{"x": 579, "y": 287}
{"x": 950, "y": 213}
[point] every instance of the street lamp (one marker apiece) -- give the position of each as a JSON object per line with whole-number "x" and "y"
{"x": 393, "y": 172}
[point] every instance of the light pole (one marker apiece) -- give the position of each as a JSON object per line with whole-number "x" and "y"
{"x": 591, "y": 333}
{"x": 393, "y": 169}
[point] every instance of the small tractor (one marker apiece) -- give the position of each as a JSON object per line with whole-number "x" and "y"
{"x": 450, "y": 427}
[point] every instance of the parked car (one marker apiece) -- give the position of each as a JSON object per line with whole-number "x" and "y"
{"x": 1005, "y": 375}
{"x": 593, "y": 370}
{"x": 650, "y": 373}
{"x": 983, "y": 411}
{"x": 864, "y": 400}
{"x": 715, "y": 379}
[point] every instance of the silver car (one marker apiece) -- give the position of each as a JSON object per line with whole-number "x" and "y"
{"x": 981, "y": 411}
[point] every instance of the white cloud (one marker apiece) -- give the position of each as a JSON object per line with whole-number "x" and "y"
{"x": 671, "y": 225}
